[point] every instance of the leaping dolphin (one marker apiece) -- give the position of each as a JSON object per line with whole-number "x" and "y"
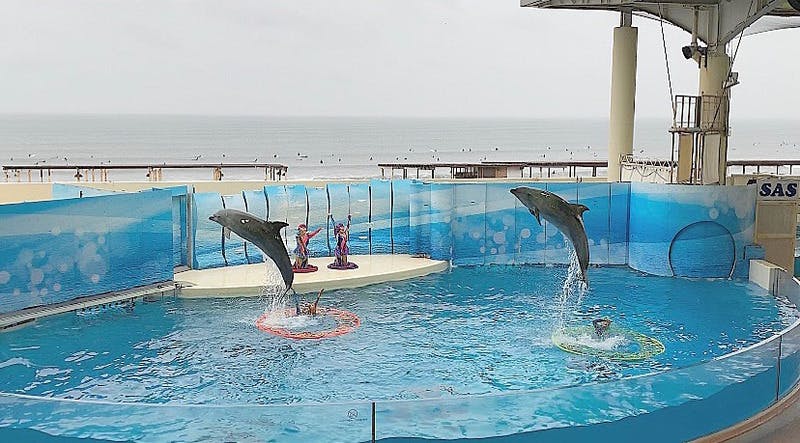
{"x": 266, "y": 235}
{"x": 566, "y": 216}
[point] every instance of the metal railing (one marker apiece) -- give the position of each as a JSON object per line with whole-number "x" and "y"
{"x": 152, "y": 172}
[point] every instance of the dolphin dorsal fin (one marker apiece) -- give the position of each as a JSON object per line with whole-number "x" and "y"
{"x": 274, "y": 227}
{"x": 578, "y": 209}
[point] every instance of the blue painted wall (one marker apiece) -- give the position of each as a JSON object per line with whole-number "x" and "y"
{"x": 706, "y": 227}
{"x": 673, "y": 230}
{"x": 58, "y": 250}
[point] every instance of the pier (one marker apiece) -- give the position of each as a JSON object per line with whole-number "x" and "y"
{"x": 152, "y": 172}
{"x": 630, "y": 167}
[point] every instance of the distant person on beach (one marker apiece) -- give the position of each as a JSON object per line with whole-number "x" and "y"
{"x": 301, "y": 250}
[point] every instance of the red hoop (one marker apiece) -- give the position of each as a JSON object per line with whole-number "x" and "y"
{"x": 346, "y": 322}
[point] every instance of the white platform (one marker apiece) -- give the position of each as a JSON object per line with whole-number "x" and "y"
{"x": 248, "y": 280}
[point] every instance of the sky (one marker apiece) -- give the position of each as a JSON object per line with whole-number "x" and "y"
{"x": 417, "y": 58}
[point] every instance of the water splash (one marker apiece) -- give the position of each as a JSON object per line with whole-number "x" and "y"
{"x": 608, "y": 343}
{"x": 572, "y": 292}
{"x": 273, "y": 294}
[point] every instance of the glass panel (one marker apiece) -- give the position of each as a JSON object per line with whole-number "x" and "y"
{"x": 469, "y": 224}
{"x": 790, "y": 360}
{"x": 57, "y": 250}
{"x": 236, "y": 249}
{"x": 440, "y": 213}
{"x": 702, "y": 399}
{"x": 277, "y": 206}
{"x": 255, "y": 202}
{"x": 597, "y": 197}
{"x": 321, "y": 245}
{"x": 359, "y": 209}
{"x": 207, "y": 235}
{"x": 381, "y": 213}
{"x": 401, "y": 190}
{"x": 501, "y": 225}
{"x": 529, "y": 232}
{"x": 179, "y": 233}
{"x": 136, "y": 422}
{"x": 557, "y": 249}
{"x": 618, "y": 224}
{"x": 297, "y": 212}
{"x": 419, "y": 201}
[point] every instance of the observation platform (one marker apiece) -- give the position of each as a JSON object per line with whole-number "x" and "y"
{"x": 249, "y": 280}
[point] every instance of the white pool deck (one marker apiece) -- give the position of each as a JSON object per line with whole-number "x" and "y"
{"x": 249, "y": 280}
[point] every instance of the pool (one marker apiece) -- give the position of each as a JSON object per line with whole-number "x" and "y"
{"x": 473, "y": 332}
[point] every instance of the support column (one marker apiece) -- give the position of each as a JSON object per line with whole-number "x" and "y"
{"x": 623, "y": 94}
{"x": 714, "y": 69}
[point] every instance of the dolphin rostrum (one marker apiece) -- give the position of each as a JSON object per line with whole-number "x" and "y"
{"x": 567, "y": 217}
{"x": 266, "y": 235}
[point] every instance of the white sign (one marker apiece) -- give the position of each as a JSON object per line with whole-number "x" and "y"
{"x": 777, "y": 189}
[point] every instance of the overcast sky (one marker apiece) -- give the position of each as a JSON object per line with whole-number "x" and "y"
{"x": 473, "y": 58}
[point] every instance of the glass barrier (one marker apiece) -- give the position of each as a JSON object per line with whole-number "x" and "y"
{"x": 346, "y": 422}
{"x": 703, "y": 399}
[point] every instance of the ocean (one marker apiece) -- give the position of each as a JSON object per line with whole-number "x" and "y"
{"x": 345, "y": 147}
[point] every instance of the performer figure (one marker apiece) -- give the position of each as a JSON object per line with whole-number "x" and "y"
{"x": 601, "y": 326}
{"x": 341, "y": 251}
{"x": 301, "y": 250}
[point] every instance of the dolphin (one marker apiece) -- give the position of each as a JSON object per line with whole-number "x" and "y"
{"x": 567, "y": 217}
{"x": 266, "y": 235}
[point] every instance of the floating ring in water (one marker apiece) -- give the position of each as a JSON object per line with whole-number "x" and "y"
{"x": 647, "y": 346}
{"x": 346, "y": 322}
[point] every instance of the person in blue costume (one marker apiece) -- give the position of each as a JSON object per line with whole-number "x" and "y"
{"x": 342, "y": 250}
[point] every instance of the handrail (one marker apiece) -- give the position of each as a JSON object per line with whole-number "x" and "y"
{"x": 272, "y": 171}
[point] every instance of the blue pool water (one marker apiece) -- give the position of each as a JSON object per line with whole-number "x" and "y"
{"x": 474, "y": 330}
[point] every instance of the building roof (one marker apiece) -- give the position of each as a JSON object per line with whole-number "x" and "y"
{"x": 733, "y": 16}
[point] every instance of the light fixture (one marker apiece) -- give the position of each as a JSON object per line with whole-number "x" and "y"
{"x": 691, "y": 50}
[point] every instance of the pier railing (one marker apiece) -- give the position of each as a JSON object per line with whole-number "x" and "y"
{"x": 151, "y": 172}
{"x": 499, "y": 169}
{"x": 633, "y": 169}
{"x": 570, "y": 169}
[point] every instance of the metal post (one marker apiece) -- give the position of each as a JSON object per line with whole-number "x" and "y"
{"x": 189, "y": 228}
{"x": 373, "y": 422}
{"x": 778, "y": 375}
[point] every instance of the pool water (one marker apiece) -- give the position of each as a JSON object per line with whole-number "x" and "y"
{"x": 472, "y": 330}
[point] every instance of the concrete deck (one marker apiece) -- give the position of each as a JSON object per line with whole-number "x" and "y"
{"x": 248, "y": 280}
{"x": 15, "y": 318}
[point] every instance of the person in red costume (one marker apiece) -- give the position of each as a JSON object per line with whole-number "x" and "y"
{"x": 301, "y": 250}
